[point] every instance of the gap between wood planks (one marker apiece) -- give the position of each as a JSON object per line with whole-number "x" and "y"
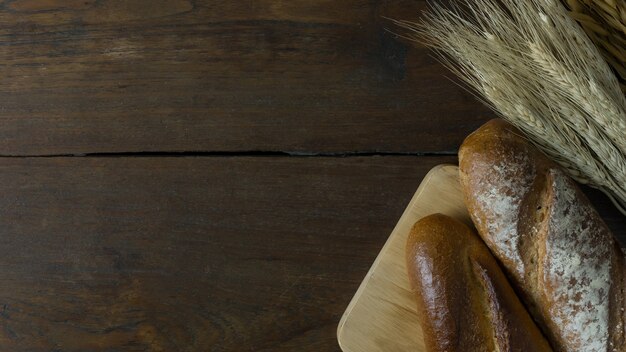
{"x": 297, "y": 154}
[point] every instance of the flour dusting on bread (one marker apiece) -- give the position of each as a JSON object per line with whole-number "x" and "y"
{"x": 513, "y": 179}
{"x": 578, "y": 260}
{"x": 556, "y": 249}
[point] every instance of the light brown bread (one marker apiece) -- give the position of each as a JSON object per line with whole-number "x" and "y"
{"x": 559, "y": 254}
{"x": 462, "y": 294}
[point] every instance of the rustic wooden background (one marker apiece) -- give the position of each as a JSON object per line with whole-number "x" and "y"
{"x": 203, "y": 175}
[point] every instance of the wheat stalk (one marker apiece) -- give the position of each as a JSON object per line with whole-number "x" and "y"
{"x": 561, "y": 80}
{"x": 533, "y": 65}
{"x": 605, "y": 23}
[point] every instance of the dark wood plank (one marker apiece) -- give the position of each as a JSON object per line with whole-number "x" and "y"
{"x": 206, "y": 75}
{"x": 191, "y": 254}
{"x": 194, "y": 254}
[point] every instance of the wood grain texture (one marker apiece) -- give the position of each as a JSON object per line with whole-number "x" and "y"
{"x": 207, "y": 253}
{"x": 205, "y": 75}
{"x": 190, "y": 254}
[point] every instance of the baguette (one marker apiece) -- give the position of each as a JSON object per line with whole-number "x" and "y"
{"x": 558, "y": 252}
{"x": 462, "y": 294}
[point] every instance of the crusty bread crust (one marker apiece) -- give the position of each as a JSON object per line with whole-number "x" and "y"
{"x": 556, "y": 249}
{"x": 462, "y": 294}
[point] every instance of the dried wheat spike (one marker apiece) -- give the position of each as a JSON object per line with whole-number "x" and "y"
{"x": 536, "y": 67}
{"x": 605, "y": 23}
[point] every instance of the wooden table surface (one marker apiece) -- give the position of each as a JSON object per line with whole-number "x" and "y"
{"x": 202, "y": 175}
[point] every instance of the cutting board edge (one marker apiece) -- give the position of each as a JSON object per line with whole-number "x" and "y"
{"x": 425, "y": 181}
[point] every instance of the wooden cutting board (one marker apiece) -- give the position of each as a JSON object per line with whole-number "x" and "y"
{"x": 382, "y": 314}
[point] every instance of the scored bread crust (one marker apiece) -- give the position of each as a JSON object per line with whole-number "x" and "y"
{"x": 558, "y": 252}
{"x": 465, "y": 301}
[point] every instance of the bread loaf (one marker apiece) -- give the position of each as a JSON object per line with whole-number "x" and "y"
{"x": 559, "y": 254}
{"x": 463, "y": 297}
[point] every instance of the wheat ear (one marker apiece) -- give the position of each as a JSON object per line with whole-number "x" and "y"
{"x": 605, "y": 23}
{"x": 532, "y": 64}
